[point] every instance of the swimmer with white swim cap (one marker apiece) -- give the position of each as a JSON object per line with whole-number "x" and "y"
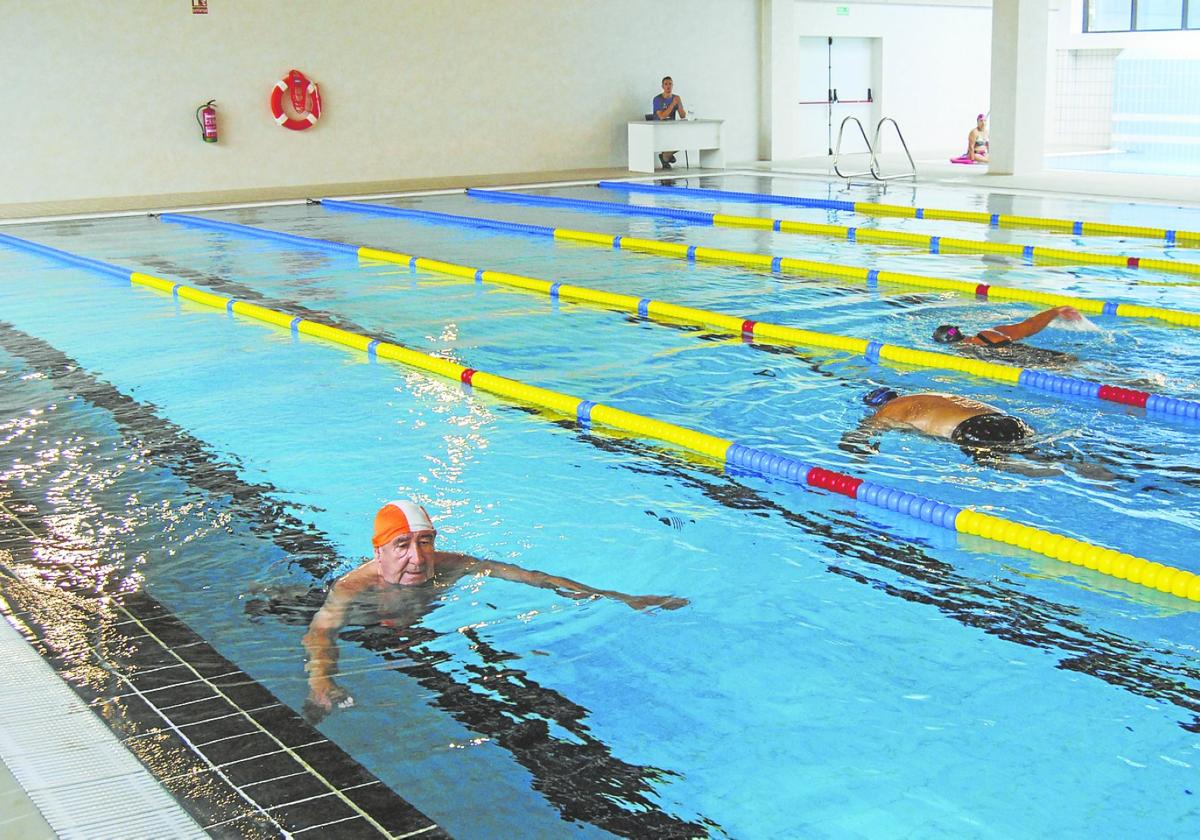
{"x": 402, "y": 582}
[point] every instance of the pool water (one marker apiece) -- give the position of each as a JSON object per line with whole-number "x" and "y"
{"x": 1135, "y": 161}
{"x": 838, "y": 671}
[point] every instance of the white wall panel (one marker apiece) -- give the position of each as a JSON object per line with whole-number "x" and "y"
{"x": 100, "y": 96}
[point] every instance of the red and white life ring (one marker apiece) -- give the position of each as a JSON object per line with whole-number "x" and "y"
{"x": 301, "y": 89}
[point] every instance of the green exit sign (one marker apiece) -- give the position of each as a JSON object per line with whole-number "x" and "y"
{"x": 843, "y": 10}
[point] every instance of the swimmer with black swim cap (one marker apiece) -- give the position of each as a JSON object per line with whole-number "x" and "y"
{"x": 984, "y": 433}
{"x": 967, "y": 422}
{"x": 1005, "y": 334}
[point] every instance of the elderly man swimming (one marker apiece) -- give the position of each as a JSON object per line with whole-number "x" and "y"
{"x": 399, "y": 585}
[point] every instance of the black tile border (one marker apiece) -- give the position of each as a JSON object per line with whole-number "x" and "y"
{"x": 212, "y": 735}
{"x": 575, "y": 772}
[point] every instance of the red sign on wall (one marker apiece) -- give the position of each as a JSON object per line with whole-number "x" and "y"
{"x": 199, "y": 7}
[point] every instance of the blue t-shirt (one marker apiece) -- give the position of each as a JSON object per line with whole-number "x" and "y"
{"x": 661, "y": 102}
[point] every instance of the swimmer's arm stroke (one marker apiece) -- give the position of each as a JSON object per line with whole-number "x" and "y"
{"x": 565, "y": 586}
{"x": 1037, "y": 323}
{"x": 909, "y": 413}
{"x": 857, "y": 441}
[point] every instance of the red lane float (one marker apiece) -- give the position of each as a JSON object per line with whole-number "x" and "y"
{"x": 301, "y": 89}
{"x": 835, "y": 482}
{"x": 1125, "y": 396}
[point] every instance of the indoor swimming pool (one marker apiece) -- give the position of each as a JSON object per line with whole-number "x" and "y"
{"x": 838, "y": 670}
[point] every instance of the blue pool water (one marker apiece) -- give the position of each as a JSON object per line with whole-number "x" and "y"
{"x": 839, "y": 670}
{"x": 1134, "y": 161}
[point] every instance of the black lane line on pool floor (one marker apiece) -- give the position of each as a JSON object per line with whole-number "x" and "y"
{"x": 578, "y": 775}
{"x": 1113, "y": 659}
{"x": 236, "y": 758}
{"x": 241, "y": 762}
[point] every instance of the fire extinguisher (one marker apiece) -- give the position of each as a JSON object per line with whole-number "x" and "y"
{"x": 206, "y": 117}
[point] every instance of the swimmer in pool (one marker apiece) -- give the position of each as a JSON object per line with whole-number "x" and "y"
{"x": 967, "y": 422}
{"x": 1001, "y": 341}
{"x": 401, "y": 583}
{"x": 984, "y": 432}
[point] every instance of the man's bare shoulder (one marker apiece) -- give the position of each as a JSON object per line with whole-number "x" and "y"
{"x": 356, "y": 581}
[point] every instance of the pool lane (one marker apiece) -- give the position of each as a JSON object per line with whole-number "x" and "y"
{"x": 1124, "y": 566}
{"x": 1032, "y": 254}
{"x": 1071, "y": 226}
{"x": 1157, "y": 406}
{"x": 778, "y": 265}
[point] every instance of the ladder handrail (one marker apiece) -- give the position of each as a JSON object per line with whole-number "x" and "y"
{"x": 837, "y": 152}
{"x": 912, "y": 173}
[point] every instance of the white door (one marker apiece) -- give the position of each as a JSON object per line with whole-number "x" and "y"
{"x": 851, "y": 62}
{"x": 815, "y": 91}
{"x": 835, "y": 82}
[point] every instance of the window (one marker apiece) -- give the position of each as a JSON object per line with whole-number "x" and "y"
{"x": 1108, "y": 16}
{"x": 1140, "y": 15}
{"x": 1158, "y": 14}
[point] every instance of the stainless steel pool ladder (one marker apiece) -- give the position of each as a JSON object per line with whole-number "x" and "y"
{"x": 837, "y": 150}
{"x": 873, "y": 150}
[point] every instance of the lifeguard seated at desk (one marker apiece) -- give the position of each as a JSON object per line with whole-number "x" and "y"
{"x": 668, "y": 106}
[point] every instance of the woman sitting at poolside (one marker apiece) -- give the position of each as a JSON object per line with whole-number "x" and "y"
{"x": 977, "y": 141}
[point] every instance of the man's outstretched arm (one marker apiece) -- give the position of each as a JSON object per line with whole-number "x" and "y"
{"x": 569, "y": 588}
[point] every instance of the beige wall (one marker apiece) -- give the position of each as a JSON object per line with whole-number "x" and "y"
{"x": 100, "y": 96}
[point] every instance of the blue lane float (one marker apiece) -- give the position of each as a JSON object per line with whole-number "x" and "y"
{"x": 432, "y": 216}
{"x": 306, "y": 242}
{"x": 108, "y": 269}
{"x": 730, "y": 195}
{"x": 590, "y": 206}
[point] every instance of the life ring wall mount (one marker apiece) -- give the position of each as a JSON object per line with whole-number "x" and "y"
{"x": 301, "y": 91}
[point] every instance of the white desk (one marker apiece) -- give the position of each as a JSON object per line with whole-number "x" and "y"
{"x": 648, "y": 137}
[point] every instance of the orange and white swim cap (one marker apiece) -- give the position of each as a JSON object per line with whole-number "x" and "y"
{"x": 401, "y": 516}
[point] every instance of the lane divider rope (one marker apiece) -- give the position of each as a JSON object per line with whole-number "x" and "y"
{"x": 1152, "y": 575}
{"x": 1158, "y": 406}
{"x": 1076, "y": 227}
{"x": 933, "y": 244}
{"x": 768, "y": 262}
